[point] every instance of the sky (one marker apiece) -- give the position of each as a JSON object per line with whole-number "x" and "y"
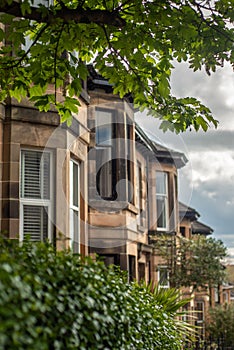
{"x": 206, "y": 183}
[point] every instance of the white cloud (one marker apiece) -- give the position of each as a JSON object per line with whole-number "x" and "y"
{"x": 231, "y": 251}
{"x": 210, "y": 165}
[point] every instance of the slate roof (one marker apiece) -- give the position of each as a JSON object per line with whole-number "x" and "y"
{"x": 200, "y": 228}
{"x": 187, "y": 212}
{"x": 161, "y": 153}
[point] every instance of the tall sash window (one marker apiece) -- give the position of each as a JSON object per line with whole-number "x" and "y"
{"x": 36, "y": 195}
{"x": 75, "y": 206}
{"x": 162, "y": 201}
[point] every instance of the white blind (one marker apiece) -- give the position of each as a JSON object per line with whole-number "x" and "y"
{"x": 35, "y": 222}
{"x": 35, "y": 195}
{"x": 35, "y": 175}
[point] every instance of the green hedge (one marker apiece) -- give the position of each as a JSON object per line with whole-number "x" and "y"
{"x": 53, "y": 300}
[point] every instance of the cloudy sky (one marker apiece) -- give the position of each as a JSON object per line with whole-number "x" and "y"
{"x": 207, "y": 182}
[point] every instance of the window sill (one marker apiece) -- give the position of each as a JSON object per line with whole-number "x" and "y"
{"x": 132, "y": 208}
{"x": 112, "y": 206}
{"x": 164, "y": 232}
{"x": 141, "y": 228}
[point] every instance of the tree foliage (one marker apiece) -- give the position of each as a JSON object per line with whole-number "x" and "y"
{"x": 195, "y": 262}
{"x": 54, "y": 300}
{"x": 221, "y": 325}
{"x": 131, "y": 43}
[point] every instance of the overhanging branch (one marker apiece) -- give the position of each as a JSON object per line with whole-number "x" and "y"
{"x": 78, "y": 15}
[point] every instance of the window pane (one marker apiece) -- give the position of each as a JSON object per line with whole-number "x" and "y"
{"x": 130, "y": 162}
{"x": 103, "y": 135}
{"x": 141, "y": 271}
{"x": 200, "y": 310}
{"x": 161, "y": 212}
{"x": 35, "y": 222}
{"x": 30, "y": 174}
{"x": 35, "y": 175}
{"x": 104, "y": 172}
{"x": 103, "y": 128}
{"x": 34, "y": 187}
{"x": 75, "y": 184}
{"x": 163, "y": 277}
{"x": 139, "y": 195}
{"x": 131, "y": 267}
{"x": 161, "y": 182}
{"x": 74, "y": 207}
{"x": 110, "y": 259}
{"x": 76, "y": 240}
{"x": 162, "y": 200}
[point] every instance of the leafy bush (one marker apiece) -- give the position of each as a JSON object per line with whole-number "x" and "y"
{"x": 221, "y": 324}
{"x": 54, "y": 300}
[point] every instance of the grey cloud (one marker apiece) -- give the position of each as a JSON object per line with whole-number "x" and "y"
{"x": 216, "y": 215}
{"x": 223, "y": 193}
{"x": 213, "y": 140}
{"x": 210, "y": 90}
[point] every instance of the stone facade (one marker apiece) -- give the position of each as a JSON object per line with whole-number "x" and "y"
{"x": 24, "y": 129}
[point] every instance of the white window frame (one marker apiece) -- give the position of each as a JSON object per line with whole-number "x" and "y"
{"x": 74, "y": 208}
{"x": 166, "y": 283}
{"x": 46, "y": 203}
{"x": 166, "y": 201}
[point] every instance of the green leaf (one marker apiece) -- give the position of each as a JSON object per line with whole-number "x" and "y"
{"x": 37, "y": 90}
{"x": 163, "y": 87}
{"x": 18, "y": 92}
{"x": 201, "y": 122}
{"x": 25, "y": 7}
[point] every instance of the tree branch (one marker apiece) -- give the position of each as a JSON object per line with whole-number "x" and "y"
{"x": 55, "y": 63}
{"x": 78, "y": 15}
{"x": 211, "y": 24}
{"x": 17, "y": 61}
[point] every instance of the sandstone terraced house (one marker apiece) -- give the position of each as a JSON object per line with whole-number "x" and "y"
{"x": 99, "y": 186}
